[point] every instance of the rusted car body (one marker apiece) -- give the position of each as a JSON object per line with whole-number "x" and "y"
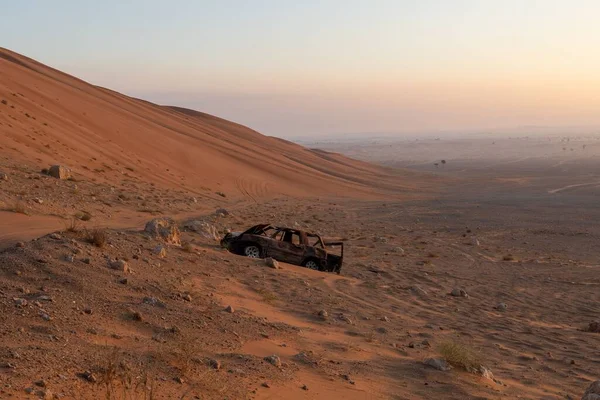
{"x": 289, "y": 245}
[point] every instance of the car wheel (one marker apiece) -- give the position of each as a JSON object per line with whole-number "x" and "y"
{"x": 312, "y": 264}
{"x": 252, "y": 251}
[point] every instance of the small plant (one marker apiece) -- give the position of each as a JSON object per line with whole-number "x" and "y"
{"x": 72, "y": 225}
{"x": 20, "y": 208}
{"x": 460, "y": 356}
{"x": 267, "y": 296}
{"x": 96, "y": 236}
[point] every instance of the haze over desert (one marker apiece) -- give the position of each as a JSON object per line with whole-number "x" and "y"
{"x": 391, "y": 201}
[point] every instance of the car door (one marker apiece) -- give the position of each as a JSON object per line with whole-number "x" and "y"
{"x": 291, "y": 248}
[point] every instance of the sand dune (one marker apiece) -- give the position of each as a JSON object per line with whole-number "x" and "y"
{"x": 51, "y": 117}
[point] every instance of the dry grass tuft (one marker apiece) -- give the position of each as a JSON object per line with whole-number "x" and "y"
{"x": 72, "y": 225}
{"x": 96, "y": 236}
{"x": 460, "y": 356}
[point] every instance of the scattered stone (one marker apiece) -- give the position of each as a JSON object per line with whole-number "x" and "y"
{"x": 438, "y": 363}
{"x": 384, "y": 319}
{"x": 266, "y": 385}
{"x": 29, "y": 390}
{"x": 474, "y": 242}
{"x": 160, "y": 251}
{"x": 3, "y": 176}
{"x": 398, "y": 250}
{"x": 229, "y": 309}
{"x": 346, "y": 319}
{"x": 273, "y": 360}
{"x": 592, "y": 392}
{"x": 59, "y": 172}
{"x": 20, "y": 245}
{"x": 214, "y": 364}
{"x": 205, "y": 229}
{"x": 87, "y": 311}
{"x": 459, "y": 293}
{"x": 55, "y": 236}
{"x": 485, "y": 372}
{"x": 272, "y": 263}
{"x": 20, "y": 302}
{"x": 41, "y": 383}
{"x": 123, "y": 281}
{"x": 89, "y": 376}
{"x": 69, "y": 258}
{"x": 323, "y": 314}
{"x": 593, "y": 327}
{"x": 222, "y": 212}
{"x": 165, "y": 229}
{"x": 304, "y": 387}
{"x": 502, "y": 307}
{"x": 119, "y": 265}
{"x": 179, "y": 380}
{"x": 418, "y": 291}
{"x": 187, "y": 297}
{"x": 137, "y": 316}
{"x": 86, "y": 261}
{"x": 347, "y": 377}
{"x": 153, "y": 301}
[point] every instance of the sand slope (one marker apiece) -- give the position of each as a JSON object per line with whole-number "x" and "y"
{"x": 51, "y": 117}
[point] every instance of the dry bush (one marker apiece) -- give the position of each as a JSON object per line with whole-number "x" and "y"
{"x": 96, "y": 236}
{"x": 19, "y": 207}
{"x": 187, "y": 247}
{"x": 72, "y": 225}
{"x": 267, "y": 296}
{"x": 460, "y": 356}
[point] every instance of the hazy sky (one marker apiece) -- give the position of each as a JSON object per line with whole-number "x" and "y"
{"x": 294, "y": 68}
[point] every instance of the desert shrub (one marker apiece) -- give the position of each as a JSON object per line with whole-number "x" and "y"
{"x": 19, "y": 207}
{"x": 460, "y": 356}
{"x": 96, "y": 236}
{"x": 72, "y": 225}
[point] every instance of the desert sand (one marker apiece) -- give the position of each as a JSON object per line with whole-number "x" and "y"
{"x": 484, "y": 258}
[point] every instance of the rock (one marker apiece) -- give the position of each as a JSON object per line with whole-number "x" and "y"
{"x": 266, "y": 385}
{"x": 119, "y": 265}
{"x": 222, "y": 212}
{"x": 89, "y": 376}
{"x": 55, "y": 236}
{"x": 272, "y": 263}
{"x": 59, "y": 172}
{"x": 214, "y": 364}
{"x": 179, "y": 380}
{"x": 153, "y": 301}
{"x": 418, "y": 291}
{"x": 187, "y": 297}
{"x": 164, "y": 229}
{"x": 304, "y": 387}
{"x": 438, "y": 363}
{"x": 203, "y": 228}
{"x": 346, "y": 319}
{"x": 502, "y": 307}
{"x": 592, "y": 392}
{"x": 385, "y": 319}
{"x": 398, "y": 250}
{"x": 273, "y": 360}
{"x": 485, "y": 372}
{"x": 229, "y": 309}
{"x": 594, "y": 326}
{"x": 41, "y": 383}
{"x": 160, "y": 251}
{"x": 123, "y": 281}
{"x": 459, "y": 293}
{"x": 323, "y": 314}
{"x": 20, "y": 302}
{"x": 20, "y": 245}
{"x": 3, "y": 176}
{"x": 29, "y": 390}
{"x": 474, "y": 242}
{"x": 69, "y": 258}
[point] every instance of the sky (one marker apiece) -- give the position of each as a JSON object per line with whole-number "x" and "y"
{"x": 331, "y": 67}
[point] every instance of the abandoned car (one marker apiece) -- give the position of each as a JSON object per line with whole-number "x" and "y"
{"x": 287, "y": 245}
